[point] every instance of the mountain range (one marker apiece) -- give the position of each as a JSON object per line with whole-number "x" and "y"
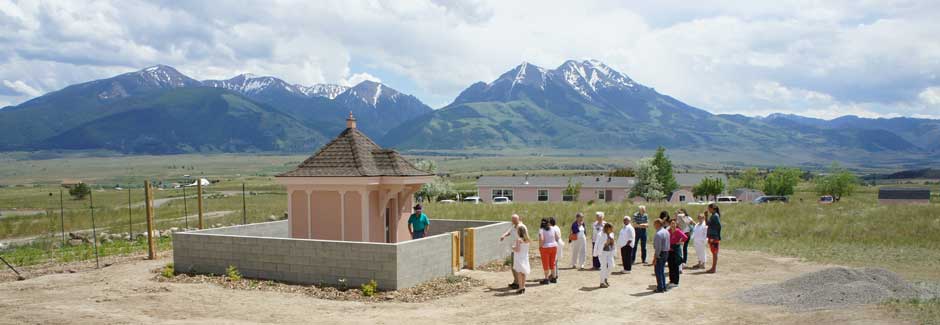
{"x": 582, "y": 105}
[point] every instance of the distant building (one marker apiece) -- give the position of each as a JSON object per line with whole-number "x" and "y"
{"x": 70, "y": 182}
{"x": 747, "y": 194}
{"x": 552, "y": 188}
{"x": 682, "y": 195}
{"x": 904, "y": 195}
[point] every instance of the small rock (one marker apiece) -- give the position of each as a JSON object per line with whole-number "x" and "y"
{"x": 75, "y": 242}
{"x": 71, "y": 271}
{"x": 272, "y": 218}
{"x": 174, "y": 229}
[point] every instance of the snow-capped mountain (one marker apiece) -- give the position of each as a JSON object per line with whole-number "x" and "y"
{"x": 380, "y": 106}
{"x": 131, "y": 83}
{"x": 589, "y": 78}
{"x": 322, "y": 90}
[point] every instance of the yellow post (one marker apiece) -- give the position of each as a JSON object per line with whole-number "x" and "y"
{"x": 455, "y": 245}
{"x": 148, "y": 201}
{"x": 199, "y": 193}
{"x": 468, "y": 249}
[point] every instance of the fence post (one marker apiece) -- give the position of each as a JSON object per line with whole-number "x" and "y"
{"x": 94, "y": 232}
{"x": 148, "y": 201}
{"x": 244, "y": 207}
{"x": 469, "y": 249}
{"x": 185, "y": 213}
{"x": 130, "y": 220}
{"x": 62, "y": 214}
{"x": 199, "y": 201}
{"x": 455, "y": 249}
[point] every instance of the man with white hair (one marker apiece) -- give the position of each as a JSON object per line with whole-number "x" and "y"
{"x": 513, "y": 234}
{"x": 625, "y": 243}
{"x": 598, "y": 230}
{"x": 640, "y": 223}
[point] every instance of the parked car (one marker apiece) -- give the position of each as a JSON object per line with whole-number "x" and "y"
{"x": 826, "y": 199}
{"x": 727, "y": 199}
{"x": 501, "y": 200}
{"x": 472, "y": 199}
{"x": 771, "y": 198}
{"x": 447, "y": 201}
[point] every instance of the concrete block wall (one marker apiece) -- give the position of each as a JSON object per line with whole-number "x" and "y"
{"x": 424, "y": 259}
{"x": 273, "y": 229}
{"x": 285, "y": 259}
{"x": 486, "y": 243}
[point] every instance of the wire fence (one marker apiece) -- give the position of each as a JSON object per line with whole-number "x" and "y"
{"x": 50, "y": 225}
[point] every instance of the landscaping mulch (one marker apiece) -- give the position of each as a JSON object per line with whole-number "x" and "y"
{"x": 434, "y": 289}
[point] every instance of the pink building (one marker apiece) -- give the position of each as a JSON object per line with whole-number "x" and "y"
{"x": 551, "y": 188}
{"x": 352, "y": 190}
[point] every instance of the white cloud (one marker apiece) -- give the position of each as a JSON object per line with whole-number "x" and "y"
{"x": 930, "y": 96}
{"x": 875, "y": 58}
{"x": 22, "y": 88}
{"x": 359, "y": 77}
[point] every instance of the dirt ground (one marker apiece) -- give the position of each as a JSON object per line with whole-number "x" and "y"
{"x": 126, "y": 293}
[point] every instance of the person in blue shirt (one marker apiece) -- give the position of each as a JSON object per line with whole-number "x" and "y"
{"x": 418, "y": 223}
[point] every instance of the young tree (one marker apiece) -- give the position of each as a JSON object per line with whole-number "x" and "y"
{"x": 750, "y": 178}
{"x": 664, "y": 171}
{"x": 709, "y": 187}
{"x": 573, "y": 190}
{"x": 838, "y": 183}
{"x": 79, "y": 191}
{"x": 782, "y": 181}
{"x": 647, "y": 185}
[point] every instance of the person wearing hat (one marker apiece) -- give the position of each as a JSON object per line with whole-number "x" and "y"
{"x": 418, "y": 223}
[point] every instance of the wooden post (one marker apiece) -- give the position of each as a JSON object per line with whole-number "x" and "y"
{"x": 455, "y": 245}
{"x": 148, "y": 199}
{"x": 199, "y": 200}
{"x": 94, "y": 232}
{"x": 468, "y": 249}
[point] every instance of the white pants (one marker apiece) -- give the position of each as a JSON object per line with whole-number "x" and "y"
{"x": 578, "y": 253}
{"x": 558, "y": 255}
{"x": 700, "y": 246}
{"x": 607, "y": 263}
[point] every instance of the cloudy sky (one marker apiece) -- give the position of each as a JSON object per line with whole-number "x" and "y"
{"x": 868, "y": 58}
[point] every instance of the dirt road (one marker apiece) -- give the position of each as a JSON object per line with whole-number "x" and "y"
{"x": 126, "y": 293}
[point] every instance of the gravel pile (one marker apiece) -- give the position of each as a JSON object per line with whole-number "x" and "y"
{"x": 833, "y": 287}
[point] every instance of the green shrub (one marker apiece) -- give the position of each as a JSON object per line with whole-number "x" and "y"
{"x": 168, "y": 271}
{"x": 232, "y": 273}
{"x": 369, "y": 289}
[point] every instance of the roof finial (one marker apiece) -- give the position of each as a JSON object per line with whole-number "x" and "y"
{"x": 351, "y": 121}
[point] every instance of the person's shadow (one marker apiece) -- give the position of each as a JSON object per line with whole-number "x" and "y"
{"x": 650, "y": 291}
{"x": 589, "y": 289}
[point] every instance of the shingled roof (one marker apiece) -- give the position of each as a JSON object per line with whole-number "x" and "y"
{"x": 353, "y": 154}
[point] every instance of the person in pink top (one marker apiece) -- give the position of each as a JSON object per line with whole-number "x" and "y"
{"x": 676, "y": 238}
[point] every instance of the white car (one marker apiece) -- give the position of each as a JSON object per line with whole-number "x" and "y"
{"x": 447, "y": 201}
{"x": 472, "y": 199}
{"x": 727, "y": 199}
{"x": 501, "y": 200}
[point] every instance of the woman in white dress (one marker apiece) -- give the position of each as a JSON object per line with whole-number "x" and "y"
{"x": 578, "y": 242}
{"x": 604, "y": 251}
{"x": 561, "y": 246}
{"x": 521, "y": 261}
{"x": 700, "y": 240}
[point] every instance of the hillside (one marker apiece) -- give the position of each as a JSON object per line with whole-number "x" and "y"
{"x": 190, "y": 120}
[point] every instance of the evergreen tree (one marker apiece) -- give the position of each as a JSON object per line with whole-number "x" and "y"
{"x": 648, "y": 185}
{"x": 664, "y": 171}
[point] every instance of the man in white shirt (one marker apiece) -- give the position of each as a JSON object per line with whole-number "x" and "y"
{"x": 513, "y": 234}
{"x": 598, "y": 230}
{"x": 625, "y": 243}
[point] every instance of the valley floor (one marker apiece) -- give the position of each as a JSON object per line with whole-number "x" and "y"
{"x": 127, "y": 293}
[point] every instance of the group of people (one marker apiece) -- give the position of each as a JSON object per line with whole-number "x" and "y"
{"x": 670, "y": 245}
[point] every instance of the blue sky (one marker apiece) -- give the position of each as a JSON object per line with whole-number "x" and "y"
{"x": 821, "y": 59}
